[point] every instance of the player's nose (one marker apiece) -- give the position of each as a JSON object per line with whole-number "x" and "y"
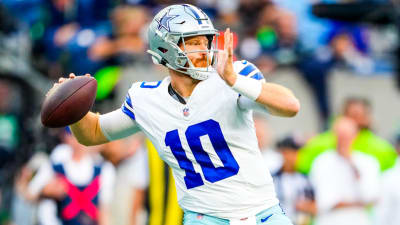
{"x": 203, "y": 46}
{"x": 203, "y": 51}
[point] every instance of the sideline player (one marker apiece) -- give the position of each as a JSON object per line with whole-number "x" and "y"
{"x": 200, "y": 121}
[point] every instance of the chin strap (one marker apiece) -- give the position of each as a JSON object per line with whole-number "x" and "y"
{"x": 198, "y": 75}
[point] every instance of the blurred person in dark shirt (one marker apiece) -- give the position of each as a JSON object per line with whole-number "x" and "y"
{"x": 127, "y": 39}
{"x": 73, "y": 26}
{"x": 286, "y": 33}
{"x": 277, "y": 35}
{"x": 7, "y": 142}
{"x": 294, "y": 189}
{"x": 16, "y": 131}
{"x": 9, "y": 124}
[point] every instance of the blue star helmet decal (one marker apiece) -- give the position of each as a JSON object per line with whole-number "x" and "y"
{"x": 164, "y": 21}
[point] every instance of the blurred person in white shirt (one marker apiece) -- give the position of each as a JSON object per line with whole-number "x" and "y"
{"x": 345, "y": 181}
{"x": 129, "y": 157}
{"x": 388, "y": 207}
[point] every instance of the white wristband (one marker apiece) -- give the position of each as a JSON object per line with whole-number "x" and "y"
{"x": 248, "y": 87}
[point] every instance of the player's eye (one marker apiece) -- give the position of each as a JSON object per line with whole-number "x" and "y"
{"x": 193, "y": 43}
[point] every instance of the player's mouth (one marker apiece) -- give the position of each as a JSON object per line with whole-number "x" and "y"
{"x": 202, "y": 62}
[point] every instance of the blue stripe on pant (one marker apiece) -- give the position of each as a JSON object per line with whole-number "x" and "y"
{"x": 271, "y": 216}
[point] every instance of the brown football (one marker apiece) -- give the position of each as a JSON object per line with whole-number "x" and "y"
{"x": 69, "y": 102}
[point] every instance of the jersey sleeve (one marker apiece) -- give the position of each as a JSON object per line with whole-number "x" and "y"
{"x": 116, "y": 125}
{"x": 248, "y": 69}
{"x": 121, "y": 122}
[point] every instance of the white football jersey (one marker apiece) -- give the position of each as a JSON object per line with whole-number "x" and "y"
{"x": 209, "y": 142}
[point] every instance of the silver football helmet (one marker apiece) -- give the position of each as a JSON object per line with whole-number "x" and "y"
{"x": 170, "y": 27}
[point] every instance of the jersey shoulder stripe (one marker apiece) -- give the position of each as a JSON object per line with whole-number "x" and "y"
{"x": 127, "y": 107}
{"x": 137, "y": 90}
{"x": 248, "y": 69}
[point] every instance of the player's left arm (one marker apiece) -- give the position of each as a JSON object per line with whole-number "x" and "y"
{"x": 278, "y": 100}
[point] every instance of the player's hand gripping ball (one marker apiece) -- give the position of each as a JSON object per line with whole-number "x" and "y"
{"x": 68, "y": 101}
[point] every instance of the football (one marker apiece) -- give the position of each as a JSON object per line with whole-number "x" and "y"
{"x": 68, "y": 102}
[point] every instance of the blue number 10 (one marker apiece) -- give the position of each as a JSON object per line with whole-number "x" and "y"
{"x": 211, "y": 173}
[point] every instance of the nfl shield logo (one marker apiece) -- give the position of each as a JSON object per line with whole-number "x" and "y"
{"x": 186, "y": 111}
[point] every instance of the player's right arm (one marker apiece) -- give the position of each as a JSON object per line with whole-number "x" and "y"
{"x": 87, "y": 131}
{"x": 95, "y": 129}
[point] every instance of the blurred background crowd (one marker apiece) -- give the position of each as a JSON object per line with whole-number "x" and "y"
{"x": 335, "y": 163}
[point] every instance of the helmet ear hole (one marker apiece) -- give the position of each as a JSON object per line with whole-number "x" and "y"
{"x": 163, "y": 50}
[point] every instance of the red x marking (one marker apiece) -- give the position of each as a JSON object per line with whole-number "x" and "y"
{"x": 81, "y": 200}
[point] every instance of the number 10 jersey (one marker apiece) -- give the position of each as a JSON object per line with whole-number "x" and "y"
{"x": 210, "y": 144}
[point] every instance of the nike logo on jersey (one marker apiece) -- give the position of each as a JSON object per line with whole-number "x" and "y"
{"x": 266, "y": 218}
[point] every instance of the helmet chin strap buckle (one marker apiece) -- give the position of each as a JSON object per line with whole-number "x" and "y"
{"x": 198, "y": 75}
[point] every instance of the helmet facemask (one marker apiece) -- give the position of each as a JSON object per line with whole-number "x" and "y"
{"x": 185, "y": 65}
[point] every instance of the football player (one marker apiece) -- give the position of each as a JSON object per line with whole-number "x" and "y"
{"x": 200, "y": 121}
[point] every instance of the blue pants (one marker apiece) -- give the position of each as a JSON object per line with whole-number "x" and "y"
{"x": 271, "y": 216}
